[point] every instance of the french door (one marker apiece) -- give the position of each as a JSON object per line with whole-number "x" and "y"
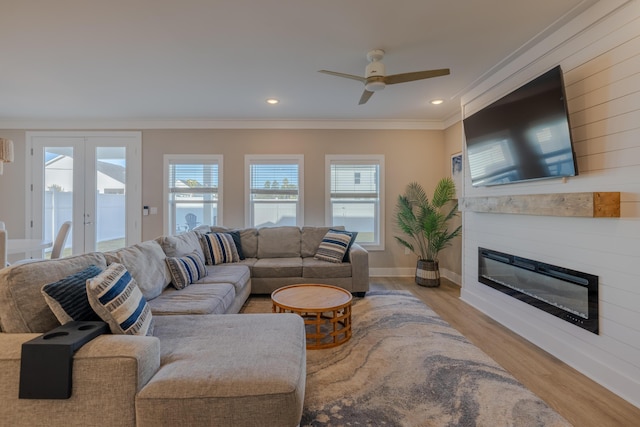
{"x": 89, "y": 178}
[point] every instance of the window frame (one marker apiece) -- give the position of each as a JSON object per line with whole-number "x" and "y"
{"x": 275, "y": 159}
{"x": 363, "y": 159}
{"x": 170, "y": 159}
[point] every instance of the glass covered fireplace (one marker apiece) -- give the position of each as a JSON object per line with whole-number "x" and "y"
{"x": 568, "y": 294}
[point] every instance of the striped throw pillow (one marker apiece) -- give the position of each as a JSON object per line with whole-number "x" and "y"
{"x": 67, "y": 298}
{"x": 115, "y": 296}
{"x": 186, "y": 270}
{"x": 334, "y": 245}
{"x": 219, "y": 248}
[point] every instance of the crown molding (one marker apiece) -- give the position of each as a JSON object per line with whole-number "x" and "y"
{"x": 222, "y": 124}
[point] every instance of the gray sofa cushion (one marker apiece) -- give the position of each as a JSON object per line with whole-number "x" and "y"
{"x": 223, "y": 370}
{"x": 181, "y": 245}
{"x": 315, "y": 268}
{"x": 278, "y": 242}
{"x": 278, "y": 267}
{"x": 145, "y": 262}
{"x": 236, "y": 274}
{"x": 195, "y": 299}
{"x": 22, "y": 306}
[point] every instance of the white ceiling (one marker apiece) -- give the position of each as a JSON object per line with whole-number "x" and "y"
{"x": 74, "y": 60}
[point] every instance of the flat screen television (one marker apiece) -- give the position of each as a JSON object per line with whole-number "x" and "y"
{"x": 523, "y": 136}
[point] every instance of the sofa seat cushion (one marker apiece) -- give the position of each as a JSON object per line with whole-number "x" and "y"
{"x": 238, "y": 275}
{"x": 236, "y": 369}
{"x": 199, "y": 298}
{"x": 278, "y": 267}
{"x": 316, "y": 268}
{"x": 23, "y": 308}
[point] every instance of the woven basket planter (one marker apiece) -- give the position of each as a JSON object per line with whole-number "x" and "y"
{"x": 428, "y": 273}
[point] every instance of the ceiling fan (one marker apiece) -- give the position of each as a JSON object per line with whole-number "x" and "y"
{"x": 375, "y": 79}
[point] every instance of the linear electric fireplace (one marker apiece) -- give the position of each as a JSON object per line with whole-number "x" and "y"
{"x": 568, "y": 294}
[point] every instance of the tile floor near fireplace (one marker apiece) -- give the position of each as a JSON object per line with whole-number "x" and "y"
{"x": 568, "y": 294}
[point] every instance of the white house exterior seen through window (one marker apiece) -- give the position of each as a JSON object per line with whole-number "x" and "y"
{"x": 194, "y": 191}
{"x": 356, "y": 196}
{"x": 274, "y": 186}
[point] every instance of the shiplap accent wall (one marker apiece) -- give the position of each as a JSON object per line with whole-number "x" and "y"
{"x": 600, "y": 55}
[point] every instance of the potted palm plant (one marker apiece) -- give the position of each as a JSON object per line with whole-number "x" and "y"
{"x": 425, "y": 222}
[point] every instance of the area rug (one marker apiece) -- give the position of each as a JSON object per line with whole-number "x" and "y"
{"x": 405, "y": 366}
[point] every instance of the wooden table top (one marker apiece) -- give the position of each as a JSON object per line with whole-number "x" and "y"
{"x": 311, "y": 297}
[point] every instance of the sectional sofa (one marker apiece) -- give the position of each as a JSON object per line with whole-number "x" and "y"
{"x": 204, "y": 364}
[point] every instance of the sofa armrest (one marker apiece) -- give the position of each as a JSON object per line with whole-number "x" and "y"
{"x": 359, "y": 258}
{"x": 108, "y": 372}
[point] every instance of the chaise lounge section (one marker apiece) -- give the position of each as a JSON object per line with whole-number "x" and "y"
{"x": 204, "y": 365}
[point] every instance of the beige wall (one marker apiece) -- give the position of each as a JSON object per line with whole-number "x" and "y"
{"x": 409, "y": 156}
{"x": 13, "y": 187}
{"x": 451, "y": 257}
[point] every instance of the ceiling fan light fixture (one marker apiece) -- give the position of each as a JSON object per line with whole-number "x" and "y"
{"x": 374, "y": 86}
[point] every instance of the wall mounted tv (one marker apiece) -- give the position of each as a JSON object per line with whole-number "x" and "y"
{"x": 523, "y": 136}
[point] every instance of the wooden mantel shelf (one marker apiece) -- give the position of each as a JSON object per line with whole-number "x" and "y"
{"x": 593, "y": 205}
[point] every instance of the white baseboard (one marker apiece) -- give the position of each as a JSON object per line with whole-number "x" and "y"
{"x": 411, "y": 272}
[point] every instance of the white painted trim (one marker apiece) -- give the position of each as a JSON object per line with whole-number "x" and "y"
{"x": 393, "y": 272}
{"x": 411, "y": 272}
{"x": 223, "y": 124}
{"x": 451, "y": 276}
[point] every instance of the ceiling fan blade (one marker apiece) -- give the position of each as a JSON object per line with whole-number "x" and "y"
{"x": 348, "y": 76}
{"x": 418, "y": 75}
{"x": 365, "y": 97}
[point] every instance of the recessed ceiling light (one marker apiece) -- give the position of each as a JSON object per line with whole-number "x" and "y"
{"x": 272, "y": 101}
{"x": 437, "y": 101}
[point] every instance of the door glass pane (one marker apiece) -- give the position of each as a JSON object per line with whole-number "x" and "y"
{"x": 58, "y": 194}
{"x": 110, "y": 225}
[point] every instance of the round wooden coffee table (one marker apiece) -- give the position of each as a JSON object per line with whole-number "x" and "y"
{"x": 326, "y": 311}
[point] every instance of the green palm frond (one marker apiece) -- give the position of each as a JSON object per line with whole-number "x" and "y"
{"x": 424, "y": 221}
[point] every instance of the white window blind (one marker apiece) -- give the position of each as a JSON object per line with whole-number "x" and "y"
{"x": 355, "y": 196}
{"x": 274, "y": 191}
{"x": 193, "y": 189}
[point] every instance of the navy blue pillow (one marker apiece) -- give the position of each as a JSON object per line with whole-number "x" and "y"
{"x": 354, "y": 234}
{"x": 68, "y": 299}
{"x": 235, "y": 235}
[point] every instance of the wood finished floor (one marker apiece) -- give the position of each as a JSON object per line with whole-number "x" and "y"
{"x": 580, "y": 400}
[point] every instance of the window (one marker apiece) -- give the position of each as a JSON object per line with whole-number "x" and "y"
{"x": 355, "y": 196}
{"x": 274, "y": 190}
{"x": 194, "y": 191}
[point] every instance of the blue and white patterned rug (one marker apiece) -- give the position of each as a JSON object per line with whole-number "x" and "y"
{"x": 406, "y": 366}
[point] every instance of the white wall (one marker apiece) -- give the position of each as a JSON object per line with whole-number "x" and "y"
{"x": 599, "y": 54}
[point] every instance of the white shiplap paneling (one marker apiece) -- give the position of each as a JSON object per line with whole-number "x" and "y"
{"x": 602, "y": 78}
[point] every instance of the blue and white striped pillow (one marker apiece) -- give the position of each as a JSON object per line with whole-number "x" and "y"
{"x": 186, "y": 270}
{"x": 219, "y": 248}
{"x": 334, "y": 246}
{"x": 115, "y": 296}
